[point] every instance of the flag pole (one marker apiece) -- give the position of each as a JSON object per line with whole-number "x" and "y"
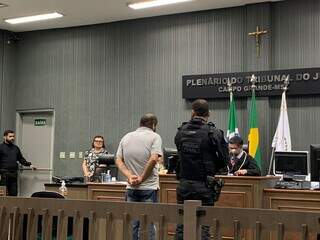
{"x": 230, "y": 89}
{"x": 230, "y": 101}
{"x": 271, "y": 162}
{"x": 253, "y": 81}
{"x": 285, "y": 88}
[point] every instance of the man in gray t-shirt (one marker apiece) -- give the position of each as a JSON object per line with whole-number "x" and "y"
{"x": 138, "y": 153}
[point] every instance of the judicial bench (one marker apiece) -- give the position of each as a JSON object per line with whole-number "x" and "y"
{"x": 243, "y": 192}
{"x": 238, "y": 192}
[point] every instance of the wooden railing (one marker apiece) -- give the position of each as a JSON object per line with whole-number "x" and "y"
{"x": 259, "y": 224}
{"x": 111, "y": 220}
{"x": 3, "y": 191}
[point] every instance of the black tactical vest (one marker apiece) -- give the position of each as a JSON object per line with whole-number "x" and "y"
{"x": 197, "y": 151}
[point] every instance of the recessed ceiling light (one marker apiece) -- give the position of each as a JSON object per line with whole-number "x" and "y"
{"x": 33, "y": 18}
{"x": 154, "y": 3}
{"x": 3, "y": 5}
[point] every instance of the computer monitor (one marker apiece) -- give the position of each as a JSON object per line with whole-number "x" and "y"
{"x": 315, "y": 162}
{"x": 293, "y": 163}
{"x": 171, "y": 159}
{"x": 106, "y": 162}
{"x": 107, "y": 159}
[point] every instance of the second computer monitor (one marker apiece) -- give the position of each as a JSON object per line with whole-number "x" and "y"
{"x": 315, "y": 162}
{"x": 171, "y": 159}
{"x": 293, "y": 163}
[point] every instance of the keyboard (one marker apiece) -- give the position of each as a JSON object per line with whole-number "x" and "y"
{"x": 295, "y": 185}
{"x": 67, "y": 179}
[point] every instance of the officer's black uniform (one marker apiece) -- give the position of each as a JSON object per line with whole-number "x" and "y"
{"x": 9, "y": 156}
{"x": 202, "y": 151}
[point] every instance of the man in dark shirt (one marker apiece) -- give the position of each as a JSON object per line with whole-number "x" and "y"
{"x": 10, "y": 154}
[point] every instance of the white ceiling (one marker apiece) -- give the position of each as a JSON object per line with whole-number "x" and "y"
{"x": 86, "y": 12}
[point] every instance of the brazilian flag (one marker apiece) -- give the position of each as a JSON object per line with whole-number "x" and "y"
{"x": 253, "y": 138}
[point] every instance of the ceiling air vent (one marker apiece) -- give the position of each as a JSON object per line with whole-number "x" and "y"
{"x": 3, "y": 5}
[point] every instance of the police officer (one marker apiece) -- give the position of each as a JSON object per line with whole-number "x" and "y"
{"x": 202, "y": 151}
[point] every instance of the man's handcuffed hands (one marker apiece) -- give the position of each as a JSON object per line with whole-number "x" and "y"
{"x": 134, "y": 180}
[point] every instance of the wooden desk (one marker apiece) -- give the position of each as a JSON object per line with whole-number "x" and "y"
{"x": 75, "y": 191}
{"x": 292, "y": 200}
{"x": 168, "y": 185}
{"x": 114, "y": 191}
{"x": 239, "y": 192}
{"x": 242, "y": 192}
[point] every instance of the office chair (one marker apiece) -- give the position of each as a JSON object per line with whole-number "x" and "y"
{"x": 47, "y": 194}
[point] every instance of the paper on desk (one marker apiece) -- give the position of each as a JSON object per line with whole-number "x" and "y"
{"x": 314, "y": 185}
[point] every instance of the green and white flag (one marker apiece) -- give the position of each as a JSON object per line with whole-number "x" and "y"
{"x": 233, "y": 125}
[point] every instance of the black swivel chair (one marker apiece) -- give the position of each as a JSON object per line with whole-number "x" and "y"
{"x": 49, "y": 194}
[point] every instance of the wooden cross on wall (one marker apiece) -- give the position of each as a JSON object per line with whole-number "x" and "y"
{"x": 257, "y": 34}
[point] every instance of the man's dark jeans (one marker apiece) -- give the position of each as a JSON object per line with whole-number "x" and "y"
{"x": 10, "y": 180}
{"x": 194, "y": 190}
{"x": 142, "y": 196}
